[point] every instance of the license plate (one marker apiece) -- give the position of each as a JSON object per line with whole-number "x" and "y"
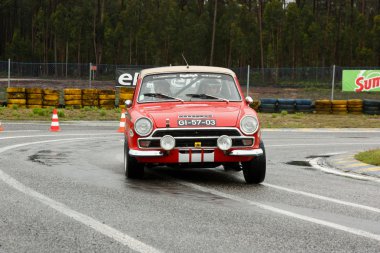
{"x": 196, "y": 122}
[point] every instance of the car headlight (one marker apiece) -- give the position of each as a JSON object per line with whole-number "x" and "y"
{"x": 143, "y": 126}
{"x": 224, "y": 142}
{"x": 167, "y": 142}
{"x": 249, "y": 125}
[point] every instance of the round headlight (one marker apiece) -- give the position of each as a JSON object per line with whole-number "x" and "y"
{"x": 224, "y": 142}
{"x": 143, "y": 126}
{"x": 249, "y": 125}
{"x": 167, "y": 142}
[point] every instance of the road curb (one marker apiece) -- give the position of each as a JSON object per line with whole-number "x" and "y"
{"x": 347, "y": 163}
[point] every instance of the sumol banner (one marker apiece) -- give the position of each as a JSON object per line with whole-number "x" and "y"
{"x": 127, "y": 77}
{"x": 361, "y": 80}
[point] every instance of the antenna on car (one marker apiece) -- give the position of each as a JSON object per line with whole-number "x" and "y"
{"x": 187, "y": 64}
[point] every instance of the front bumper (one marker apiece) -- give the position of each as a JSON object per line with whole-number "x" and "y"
{"x": 195, "y": 155}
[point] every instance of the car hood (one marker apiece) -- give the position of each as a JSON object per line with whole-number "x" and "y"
{"x": 225, "y": 114}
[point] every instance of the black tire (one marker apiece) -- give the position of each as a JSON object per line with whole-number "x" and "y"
{"x": 370, "y": 102}
{"x": 254, "y": 170}
{"x": 268, "y": 101}
{"x": 304, "y": 102}
{"x": 133, "y": 169}
{"x": 284, "y": 101}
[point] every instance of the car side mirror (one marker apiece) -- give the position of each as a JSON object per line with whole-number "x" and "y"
{"x": 249, "y": 100}
{"x": 128, "y": 103}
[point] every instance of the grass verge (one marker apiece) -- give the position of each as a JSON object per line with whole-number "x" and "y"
{"x": 371, "y": 157}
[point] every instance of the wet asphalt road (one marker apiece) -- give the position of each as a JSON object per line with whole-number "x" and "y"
{"x": 66, "y": 192}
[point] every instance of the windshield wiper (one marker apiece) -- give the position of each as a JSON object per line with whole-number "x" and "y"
{"x": 206, "y": 96}
{"x": 160, "y": 95}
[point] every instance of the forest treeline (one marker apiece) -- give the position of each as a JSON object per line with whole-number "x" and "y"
{"x": 261, "y": 33}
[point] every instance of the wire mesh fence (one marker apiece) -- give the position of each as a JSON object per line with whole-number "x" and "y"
{"x": 305, "y": 82}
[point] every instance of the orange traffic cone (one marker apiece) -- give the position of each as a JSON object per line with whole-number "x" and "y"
{"x": 1, "y": 127}
{"x": 122, "y": 122}
{"x": 54, "y": 122}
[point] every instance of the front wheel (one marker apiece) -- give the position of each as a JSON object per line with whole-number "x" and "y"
{"x": 254, "y": 170}
{"x": 132, "y": 168}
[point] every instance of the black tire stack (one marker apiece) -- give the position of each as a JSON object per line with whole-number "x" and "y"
{"x": 287, "y": 105}
{"x": 304, "y": 105}
{"x": 371, "y": 107}
{"x": 268, "y": 105}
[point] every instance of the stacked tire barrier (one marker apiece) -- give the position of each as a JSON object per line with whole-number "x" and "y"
{"x": 73, "y": 98}
{"x": 107, "y": 99}
{"x": 255, "y": 105}
{"x": 34, "y": 97}
{"x": 16, "y": 97}
{"x": 268, "y": 105}
{"x": 90, "y": 97}
{"x": 50, "y": 98}
{"x": 323, "y": 106}
{"x": 355, "y": 106}
{"x": 339, "y": 106}
{"x": 287, "y": 105}
{"x": 125, "y": 94}
{"x": 371, "y": 107}
{"x": 304, "y": 105}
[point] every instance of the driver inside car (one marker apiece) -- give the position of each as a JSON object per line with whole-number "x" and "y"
{"x": 211, "y": 87}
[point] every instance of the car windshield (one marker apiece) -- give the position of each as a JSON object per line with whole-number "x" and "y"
{"x": 188, "y": 87}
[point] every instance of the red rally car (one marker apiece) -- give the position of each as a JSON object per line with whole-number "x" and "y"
{"x": 192, "y": 116}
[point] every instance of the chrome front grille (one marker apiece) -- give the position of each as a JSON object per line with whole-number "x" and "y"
{"x": 188, "y": 137}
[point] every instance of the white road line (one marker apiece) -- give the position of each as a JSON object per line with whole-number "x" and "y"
{"x": 279, "y": 211}
{"x": 56, "y": 135}
{"x": 98, "y": 226}
{"x": 321, "y": 144}
{"x": 312, "y": 195}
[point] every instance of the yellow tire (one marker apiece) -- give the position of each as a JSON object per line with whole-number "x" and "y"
{"x": 72, "y": 91}
{"x": 339, "y": 107}
{"x": 90, "y": 102}
{"x": 127, "y": 90}
{"x": 34, "y": 96}
{"x": 72, "y": 97}
{"x": 355, "y": 109}
{"x": 73, "y": 102}
{"x": 340, "y": 113}
{"x": 89, "y": 91}
{"x": 34, "y": 102}
{"x": 90, "y": 96}
{"x": 17, "y": 101}
{"x": 51, "y": 92}
{"x": 16, "y": 95}
{"x": 339, "y": 102}
{"x": 323, "y": 102}
{"x": 34, "y": 91}
{"x": 15, "y": 90}
{"x": 50, "y": 103}
{"x": 107, "y": 102}
{"x": 51, "y": 97}
{"x": 126, "y": 96}
{"x": 122, "y": 106}
{"x": 106, "y": 92}
{"x": 18, "y": 106}
{"x": 33, "y": 106}
{"x": 107, "y": 97}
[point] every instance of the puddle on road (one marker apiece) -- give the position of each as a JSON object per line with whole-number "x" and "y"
{"x": 49, "y": 157}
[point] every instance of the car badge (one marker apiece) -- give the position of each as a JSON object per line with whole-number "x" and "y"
{"x": 197, "y": 145}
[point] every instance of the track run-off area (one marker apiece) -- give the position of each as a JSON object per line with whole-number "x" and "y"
{"x": 67, "y": 192}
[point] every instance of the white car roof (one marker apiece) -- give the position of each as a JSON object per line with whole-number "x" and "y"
{"x": 181, "y": 69}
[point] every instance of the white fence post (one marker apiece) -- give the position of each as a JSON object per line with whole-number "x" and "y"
{"x": 333, "y": 83}
{"x": 90, "y": 73}
{"x": 248, "y": 82}
{"x": 9, "y": 72}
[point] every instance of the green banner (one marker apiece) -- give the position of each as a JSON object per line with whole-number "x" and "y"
{"x": 361, "y": 80}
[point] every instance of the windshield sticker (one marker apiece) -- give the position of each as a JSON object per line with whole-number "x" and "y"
{"x": 188, "y": 75}
{"x": 164, "y": 76}
{"x": 212, "y": 76}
